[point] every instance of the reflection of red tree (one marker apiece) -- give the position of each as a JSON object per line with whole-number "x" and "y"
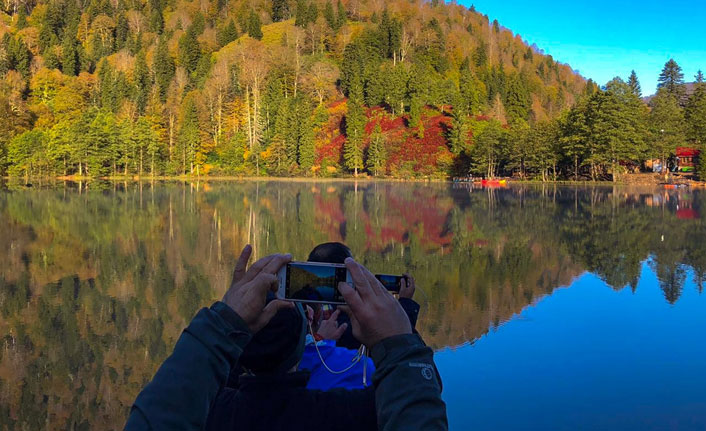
{"x": 329, "y": 215}
{"x": 422, "y": 214}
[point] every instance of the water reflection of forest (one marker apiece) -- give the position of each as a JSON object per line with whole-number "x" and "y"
{"x": 97, "y": 282}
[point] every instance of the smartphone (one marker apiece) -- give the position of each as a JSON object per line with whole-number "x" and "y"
{"x": 312, "y": 282}
{"x": 393, "y": 283}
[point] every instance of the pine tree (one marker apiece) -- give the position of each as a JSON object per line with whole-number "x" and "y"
{"x": 69, "y": 55}
{"x": 307, "y": 144}
{"x": 22, "y": 57}
{"x": 189, "y": 136}
{"x": 254, "y": 25}
{"x": 355, "y": 128}
{"x": 667, "y": 125}
{"x": 280, "y": 10}
{"x": 227, "y": 34}
{"x": 51, "y": 59}
{"x": 189, "y": 50}
{"x": 470, "y": 102}
{"x": 672, "y": 79}
{"x": 518, "y": 100}
{"x": 142, "y": 82}
{"x": 164, "y": 68}
{"x": 330, "y": 16}
{"x": 342, "y": 16}
{"x": 634, "y": 84}
{"x": 377, "y": 153}
{"x": 301, "y": 18}
{"x": 695, "y": 113}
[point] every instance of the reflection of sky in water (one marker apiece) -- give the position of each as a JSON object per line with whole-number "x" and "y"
{"x": 586, "y": 357}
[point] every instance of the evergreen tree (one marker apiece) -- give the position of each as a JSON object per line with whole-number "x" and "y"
{"x": 342, "y": 16}
{"x": 189, "y": 50}
{"x": 355, "y": 128}
{"x": 142, "y": 82}
{"x": 330, "y": 16}
{"x": 518, "y": 100}
{"x": 164, "y": 68}
{"x": 22, "y": 57}
{"x": 301, "y": 18}
{"x": 227, "y": 34}
{"x": 672, "y": 79}
{"x": 480, "y": 56}
{"x": 307, "y": 144}
{"x": 634, "y": 84}
{"x": 667, "y": 125}
{"x": 21, "y": 18}
{"x": 280, "y": 10}
{"x": 51, "y": 59}
{"x": 254, "y": 25}
{"x": 122, "y": 32}
{"x": 69, "y": 55}
{"x": 469, "y": 89}
{"x": 695, "y": 113}
{"x": 189, "y": 137}
{"x": 377, "y": 153}
{"x": 489, "y": 149}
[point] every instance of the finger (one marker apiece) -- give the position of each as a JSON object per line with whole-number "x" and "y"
{"x": 375, "y": 285}
{"x": 242, "y": 264}
{"x": 339, "y": 331}
{"x": 269, "y": 312}
{"x": 277, "y": 262}
{"x": 264, "y": 283}
{"x": 362, "y": 285}
{"x": 352, "y": 298}
{"x": 256, "y": 267}
{"x": 334, "y": 315}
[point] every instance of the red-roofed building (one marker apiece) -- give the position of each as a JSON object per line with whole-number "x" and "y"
{"x": 688, "y": 158}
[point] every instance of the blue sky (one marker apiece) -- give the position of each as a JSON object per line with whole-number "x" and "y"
{"x": 602, "y": 39}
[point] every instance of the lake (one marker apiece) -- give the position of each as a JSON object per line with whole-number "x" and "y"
{"x": 549, "y": 307}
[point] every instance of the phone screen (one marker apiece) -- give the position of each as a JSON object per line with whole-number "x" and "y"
{"x": 315, "y": 283}
{"x": 393, "y": 283}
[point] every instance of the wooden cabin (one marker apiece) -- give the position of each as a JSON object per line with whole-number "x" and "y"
{"x": 687, "y": 159}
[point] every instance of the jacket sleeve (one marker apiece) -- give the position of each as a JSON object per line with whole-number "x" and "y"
{"x": 183, "y": 389}
{"x": 407, "y": 385}
{"x": 411, "y": 307}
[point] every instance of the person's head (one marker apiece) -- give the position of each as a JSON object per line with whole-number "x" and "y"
{"x": 330, "y": 252}
{"x": 278, "y": 347}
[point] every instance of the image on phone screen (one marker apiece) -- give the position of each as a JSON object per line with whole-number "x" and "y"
{"x": 393, "y": 283}
{"x": 315, "y": 283}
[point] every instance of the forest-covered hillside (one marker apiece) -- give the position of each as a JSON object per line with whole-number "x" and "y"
{"x": 244, "y": 87}
{"x": 298, "y": 87}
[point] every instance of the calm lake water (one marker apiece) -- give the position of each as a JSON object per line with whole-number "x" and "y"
{"x": 549, "y": 307}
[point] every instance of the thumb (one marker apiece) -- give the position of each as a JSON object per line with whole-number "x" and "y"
{"x": 269, "y": 312}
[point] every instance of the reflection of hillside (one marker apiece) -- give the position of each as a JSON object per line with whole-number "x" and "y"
{"x": 96, "y": 284}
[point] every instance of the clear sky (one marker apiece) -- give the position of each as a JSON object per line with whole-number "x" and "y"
{"x": 602, "y": 39}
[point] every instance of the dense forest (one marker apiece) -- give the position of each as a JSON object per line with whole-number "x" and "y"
{"x": 97, "y": 283}
{"x": 401, "y": 88}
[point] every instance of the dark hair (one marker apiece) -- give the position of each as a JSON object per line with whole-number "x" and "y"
{"x": 330, "y": 252}
{"x": 277, "y": 347}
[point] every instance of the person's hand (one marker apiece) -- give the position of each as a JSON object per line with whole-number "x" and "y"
{"x": 329, "y": 328}
{"x": 248, "y": 289}
{"x": 375, "y": 314}
{"x": 407, "y": 286}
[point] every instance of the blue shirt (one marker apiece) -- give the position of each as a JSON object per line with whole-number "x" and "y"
{"x": 337, "y": 358}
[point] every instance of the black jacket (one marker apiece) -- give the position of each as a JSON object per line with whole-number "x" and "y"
{"x": 190, "y": 384}
{"x": 270, "y": 403}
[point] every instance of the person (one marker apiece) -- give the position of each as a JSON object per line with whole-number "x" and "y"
{"x": 185, "y": 392}
{"x": 331, "y": 366}
{"x": 335, "y": 252}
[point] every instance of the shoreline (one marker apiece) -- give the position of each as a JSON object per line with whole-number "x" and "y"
{"x": 366, "y": 179}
